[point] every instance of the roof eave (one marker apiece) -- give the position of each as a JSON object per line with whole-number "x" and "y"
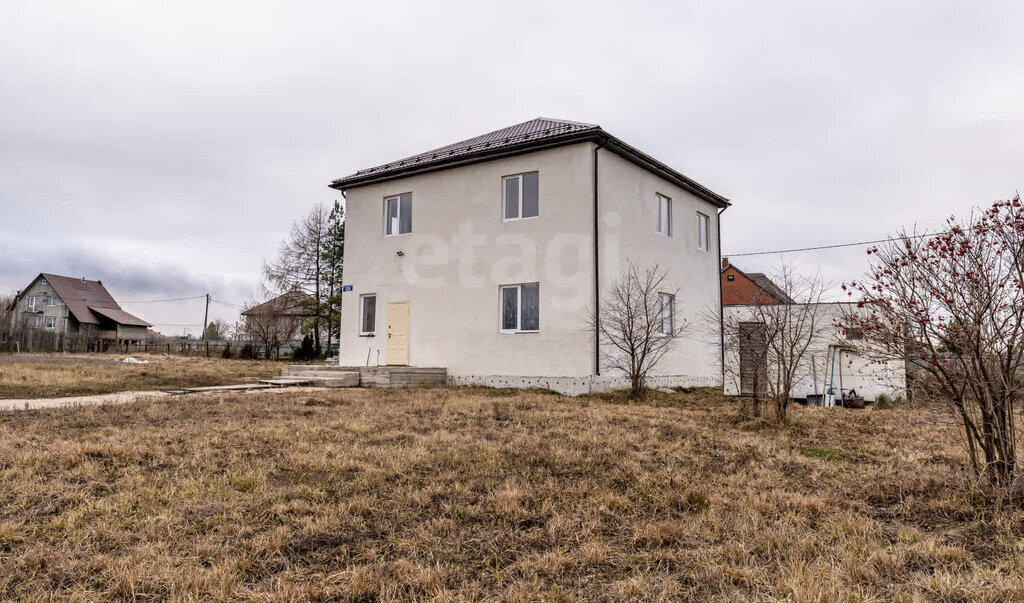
{"x": 343, "y": 184}
{"x": 654, "y": 166}
{"x": 596, "y": 135}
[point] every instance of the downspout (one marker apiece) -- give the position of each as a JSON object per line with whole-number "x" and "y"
{"x": 721, "y": 308}
{"x": 597, "y": 271}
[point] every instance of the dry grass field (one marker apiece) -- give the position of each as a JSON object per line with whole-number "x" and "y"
{"x": 57, "y": 375}
{"x": 455, "y": 494}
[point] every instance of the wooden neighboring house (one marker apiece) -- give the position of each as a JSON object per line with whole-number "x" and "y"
{"x": 77, "y": 312}
{"x": 278, "y": 320}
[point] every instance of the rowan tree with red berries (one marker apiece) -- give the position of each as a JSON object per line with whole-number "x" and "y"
{"x": 952, "y": 304}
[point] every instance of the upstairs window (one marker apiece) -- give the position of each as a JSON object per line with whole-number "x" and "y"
{"x": 520, "y": 308}
{"x": 666, "y": 313}
{"x": 521, "y": 196}
{"x": 703, "y": 232}
{"x": 32, "y": 303}
{"x": 664, "y": 223}
{"x": 398, "y": 214}
{"x": 368, "y": 314}
{"x": 51, "y": 301}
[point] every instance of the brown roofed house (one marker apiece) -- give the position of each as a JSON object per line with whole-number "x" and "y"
{"x": 749, "y": 288}
{"x": 280, "y": 316}
{"x": 65, "y": 305}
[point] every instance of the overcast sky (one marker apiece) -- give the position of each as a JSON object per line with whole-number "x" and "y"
{"x": 165, "y": 148}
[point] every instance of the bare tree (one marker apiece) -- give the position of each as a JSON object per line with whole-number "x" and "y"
{"x": 5, "y": 313}
{"x": 302, "y": 265}
{"x": 216, "y": 329}
{"x": 767, "y": 341}
{"x": 952, "y": 304}
{"x": 266, "y": 328}
{"x": 638, "y": 323}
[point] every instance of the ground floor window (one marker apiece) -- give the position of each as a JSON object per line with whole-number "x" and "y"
{"x": 368, "y": 314}
{"x": 666, "y": 315}
{"x": 51, "y": 322}
{"x": 520, "y": 308}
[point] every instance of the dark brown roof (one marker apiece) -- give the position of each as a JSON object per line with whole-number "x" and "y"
{"x": 120, "y": 316}
{"x": 293, "y": 303}
{"x": 762, "y": 281}
{"x": 533, "y": 135}
{"x": 85, "y": 299}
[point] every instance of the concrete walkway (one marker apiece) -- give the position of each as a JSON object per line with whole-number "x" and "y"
{"x": 115, "y": 398}
{"x": 127, "y": 397}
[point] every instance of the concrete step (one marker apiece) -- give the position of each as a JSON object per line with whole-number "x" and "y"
{"x": 348, "y": 380}
{"x": 286, "y": 381}
{"x": 319, "y": 374}
{"x": 302, "y": 369}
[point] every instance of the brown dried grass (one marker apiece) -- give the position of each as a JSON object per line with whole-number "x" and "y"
{"x": 59, "y": 375}
{"x": 455, "y": 494}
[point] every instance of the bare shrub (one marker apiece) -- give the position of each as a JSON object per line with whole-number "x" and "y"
{"x": 638, "y": 323}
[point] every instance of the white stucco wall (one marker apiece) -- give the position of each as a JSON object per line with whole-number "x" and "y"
{"x": 628, "y": 217}
{"x": 869, "y": 376}
{"x": 460, "y": 251}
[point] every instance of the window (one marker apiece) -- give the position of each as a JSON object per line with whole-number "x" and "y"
{"x": 34, "y": 322}
{"x": 51, "y": 322}
{"x": 521, "y": 196}
{"x": 520, "y": 308}
{"x": 368, "y": 314}
{"x": 703, "y": 231}
{"x": 32, "y": 303}
{"x": 398, "y": 214}
{"x": 855, "y": 334}
{"x": 664, "y": 223}
{"x": 666, "y": 313}
{"x": 51, "y": 301}
{"x": 730, "y": 277}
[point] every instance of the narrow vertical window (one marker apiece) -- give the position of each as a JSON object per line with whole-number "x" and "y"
{"x": 511, "y": 197}
{"x": 531, "y": 195}
{"x": 368, "y": 314}
{"x": 663, "y": 225}
{"x": 521, "y": 196}
{"x": 509, "y": 308}
{"x": 703, "y": 232}
{"x": 398, "y": 214}
{"x": 667, "y": 313}
{"x": 520, "y": 308}
{"x": 32, "y": 303}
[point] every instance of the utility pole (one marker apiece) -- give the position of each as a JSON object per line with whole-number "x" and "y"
{"x": 206, "y": 315}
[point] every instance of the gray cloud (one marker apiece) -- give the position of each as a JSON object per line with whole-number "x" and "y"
{"x": 167, "y": 149}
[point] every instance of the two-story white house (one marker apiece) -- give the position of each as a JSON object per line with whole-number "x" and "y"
{"x": 485, "y": 257}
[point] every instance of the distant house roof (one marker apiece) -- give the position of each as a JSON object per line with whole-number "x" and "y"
{"x": 119, "y": 316}
{"x": 762, "y": 281}
{"x": 88, "y": 301}
{"x": 533, "y": 135}
{"x": 292, "y": 303}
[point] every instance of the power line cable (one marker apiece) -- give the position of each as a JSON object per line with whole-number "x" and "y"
{"x": 171, "y": 324}
{"x": 234, "y": 306}
{"x": 156, "y": 301}
{"x": 836, "y": 246}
